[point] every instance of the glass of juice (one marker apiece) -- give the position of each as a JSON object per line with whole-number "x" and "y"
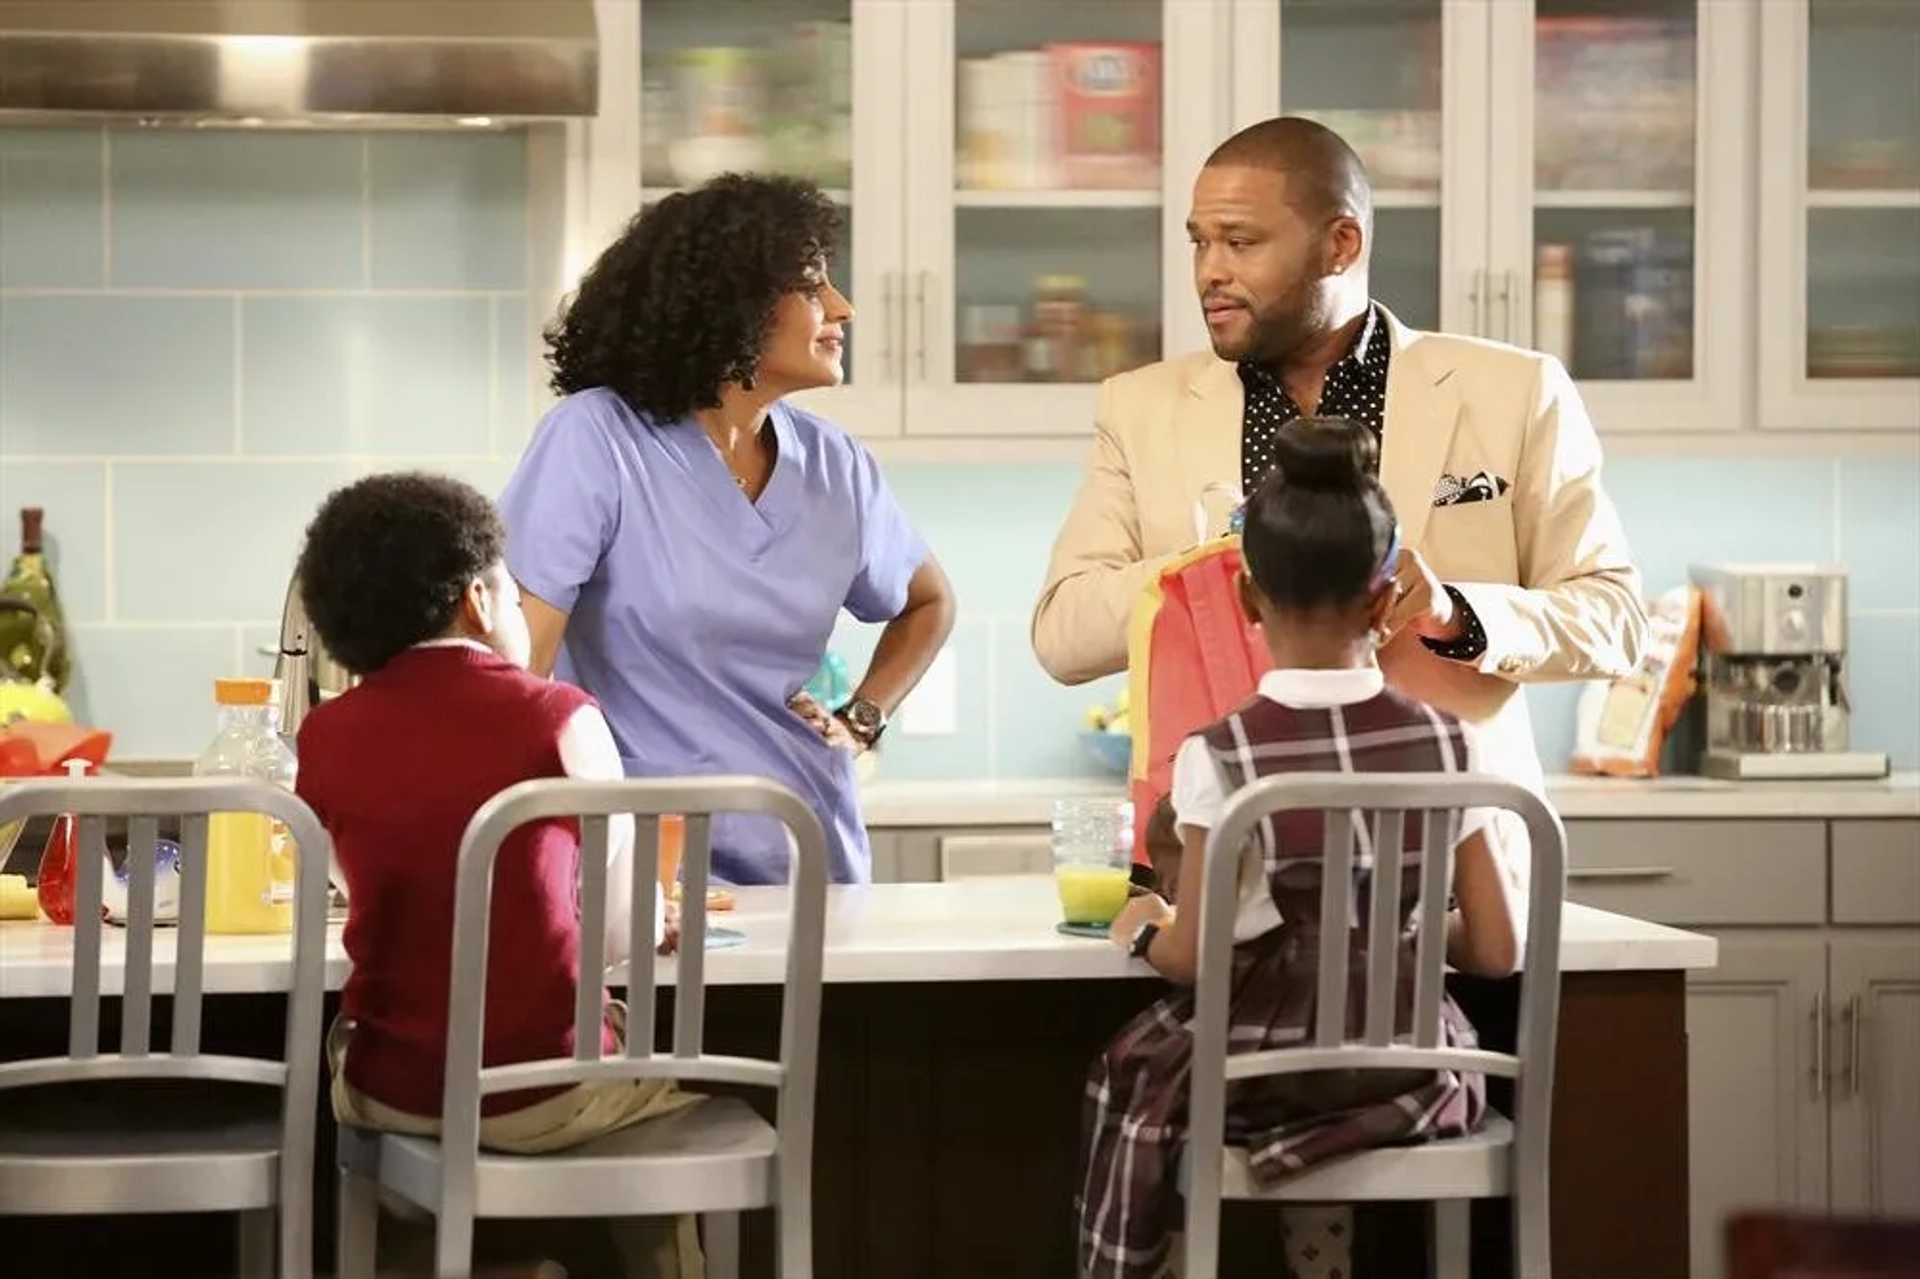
{"x": 1092, "y": 858}
{"x": 673, "y": 846}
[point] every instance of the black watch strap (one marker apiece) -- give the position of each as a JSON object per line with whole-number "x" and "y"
{"x": 864, "y": 720}
{"x": 1143, "y": 939}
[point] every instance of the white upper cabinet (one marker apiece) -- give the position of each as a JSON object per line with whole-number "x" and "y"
{"x": 1560, "y": 174}
{"x": 1404, "y": 82}
{"x": 1577, "y": 176}
{"x": 1839, "y": 297}
{"x": 1051, "y": 144}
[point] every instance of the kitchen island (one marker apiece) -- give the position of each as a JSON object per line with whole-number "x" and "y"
{"x": 957, "y": 1027}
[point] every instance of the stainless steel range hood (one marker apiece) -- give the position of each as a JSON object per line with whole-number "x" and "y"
{"x": 345, "y": 63}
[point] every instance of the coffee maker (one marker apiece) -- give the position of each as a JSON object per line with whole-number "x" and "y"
{"x": 1773, "y": 652}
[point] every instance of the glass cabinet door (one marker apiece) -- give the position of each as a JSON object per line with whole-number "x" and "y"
{"x": 784, "y": 86}
{"x": 1842, "y": 212}
{"x": 1374, "y": 73}
{"x": 1615, "y": 132}
{"x": 1633, "y": 217}
{"x": 1039, "y": 168}
{"x": 1371, "y": 73}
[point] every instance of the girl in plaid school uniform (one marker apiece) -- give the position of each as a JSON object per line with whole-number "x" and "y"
{"x": 1319, "y": 544}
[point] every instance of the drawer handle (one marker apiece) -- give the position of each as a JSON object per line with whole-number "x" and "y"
{"x": 1851, "y": 1016}
{"x": 1820, "y": 1064}
{"x": 1620, "y": 872}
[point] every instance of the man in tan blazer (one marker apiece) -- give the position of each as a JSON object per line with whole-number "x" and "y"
{"x": 1519, "y": 569}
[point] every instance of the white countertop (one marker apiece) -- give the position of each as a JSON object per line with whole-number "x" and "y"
{"x": 1028, "y": 802}
{"x": 896, "y": 805}
{"x": 967, "y": 930}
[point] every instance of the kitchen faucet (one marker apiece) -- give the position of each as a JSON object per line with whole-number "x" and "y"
{"x": 308, "y": 675}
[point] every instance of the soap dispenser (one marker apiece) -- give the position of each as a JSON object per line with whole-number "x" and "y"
{"x": 60, "y": 858}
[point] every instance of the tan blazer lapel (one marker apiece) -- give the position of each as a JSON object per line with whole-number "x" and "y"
{"x": 1208, "y": 428}
{"x": 1422, "y": 413}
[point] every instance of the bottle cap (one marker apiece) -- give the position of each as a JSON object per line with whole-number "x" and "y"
{"x": 245, "y": 692}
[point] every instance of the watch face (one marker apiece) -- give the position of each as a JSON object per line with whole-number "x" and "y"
{"x": 863, "y": 715}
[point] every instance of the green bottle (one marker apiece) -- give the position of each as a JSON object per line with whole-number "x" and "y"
{"x": 28, "y": 651}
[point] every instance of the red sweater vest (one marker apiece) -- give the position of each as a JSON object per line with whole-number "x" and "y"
{"x": 395, "y": 768}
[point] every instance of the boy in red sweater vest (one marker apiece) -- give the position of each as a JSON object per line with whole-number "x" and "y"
{"x": 405, "y": 580}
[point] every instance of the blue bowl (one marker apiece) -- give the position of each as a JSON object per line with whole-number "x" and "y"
{"x": 1114, "y": 751}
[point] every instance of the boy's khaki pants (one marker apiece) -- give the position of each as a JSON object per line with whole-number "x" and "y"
{"x": 653, "y": 1247}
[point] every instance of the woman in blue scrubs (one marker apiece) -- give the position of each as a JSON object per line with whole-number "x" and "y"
{"x": 685, "y": 539}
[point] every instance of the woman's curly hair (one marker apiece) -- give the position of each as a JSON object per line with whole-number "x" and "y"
{"x": 682, "y": 302}
{"x": 387, "y": 559}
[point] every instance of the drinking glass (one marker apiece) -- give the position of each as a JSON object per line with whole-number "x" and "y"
{"x": 1092, "y": 858}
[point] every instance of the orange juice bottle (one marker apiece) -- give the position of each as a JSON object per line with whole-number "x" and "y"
{"x": 250, "y": 856}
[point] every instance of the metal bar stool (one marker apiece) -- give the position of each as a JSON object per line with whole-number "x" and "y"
{"x": 718, "y": 1158}
{"x": 1506, "y": 1158}
{"x": 251, "y": 1152}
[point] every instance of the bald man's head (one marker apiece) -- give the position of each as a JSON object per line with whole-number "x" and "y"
{"x": 1281, "y": 225}
{"x": 1324, "y": 176}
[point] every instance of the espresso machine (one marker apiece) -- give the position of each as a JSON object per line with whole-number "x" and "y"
{"x": 1773, "y": 655}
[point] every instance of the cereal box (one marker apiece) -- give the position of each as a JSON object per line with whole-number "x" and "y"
{"x": 1108, "y": 114}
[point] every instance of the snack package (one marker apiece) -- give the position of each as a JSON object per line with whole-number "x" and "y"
{"x": 30, "y": 748}
{"x": 1622, "y": 724}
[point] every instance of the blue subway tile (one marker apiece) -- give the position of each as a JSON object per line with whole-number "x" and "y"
{"x": 1883, "y": 677}
{"x": 52, "y": 208}
{"x": 1036, "y": 722}
{"x": 116, "y": 375}
{"x": 367, "y": 374}
{"x": 238, "y": 210}
{"x": 992, "y": 527}
{"x": 489, "y": 475}
{"x": 152, "y": 687}
{"x": 211, "y": 541}
{"x": 1681, "y": 511}
{"x": 1550, "y": 707}
{"x": 1880, "y": 530}
{"x": 448, "y": 212}
{"x": 514, "y": 347}
{"x": 255, "y": 641}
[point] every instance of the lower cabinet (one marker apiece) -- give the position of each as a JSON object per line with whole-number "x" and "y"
{"x": 1804, "y": 1042}
{"x": 924, "y": 855}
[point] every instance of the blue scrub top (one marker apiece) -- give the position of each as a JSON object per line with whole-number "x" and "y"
{"x": 695, "y": 614}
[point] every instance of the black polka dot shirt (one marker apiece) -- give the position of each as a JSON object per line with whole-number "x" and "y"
{"x": 1356, "y": 388}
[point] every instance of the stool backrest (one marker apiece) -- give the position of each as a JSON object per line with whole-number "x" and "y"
{"x": 696, "y": 801}
{"x": 152, "y": 964}
{"x": 1385, "y": 858}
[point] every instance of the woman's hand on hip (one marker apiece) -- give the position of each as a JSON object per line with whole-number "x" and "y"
{"x": 823, "y": 722}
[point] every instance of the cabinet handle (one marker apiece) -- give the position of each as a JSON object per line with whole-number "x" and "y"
{"x": 889, "y": 321}
{"x": 920, "y": 291}
{"x": 1619, "y": 872}
{"x": 1506, "y": 296}
{"x": 1477, "y": 298}
{"x": 1852, "y": 1017}
{"x": 1820, "y": 1045}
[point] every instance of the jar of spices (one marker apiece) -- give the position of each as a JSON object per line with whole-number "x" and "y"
{"x": 1060, "y": 320}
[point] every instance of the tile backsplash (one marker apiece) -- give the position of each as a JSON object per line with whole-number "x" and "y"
{"x": 201, "y": 334}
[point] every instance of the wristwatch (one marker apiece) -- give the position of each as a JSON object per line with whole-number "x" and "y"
{"x": 1143, "y": 939}
{"x": 864, "y": 720}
